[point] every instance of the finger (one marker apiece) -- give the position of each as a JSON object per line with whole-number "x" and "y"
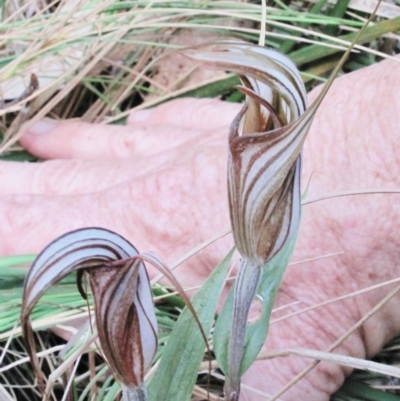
{"x": 49, "y": 139}
{"x": 77, "y": 176}
{"x": 32, "y": 221}
{"x": 63, "y": 177}
{"x": 198, "y": 114}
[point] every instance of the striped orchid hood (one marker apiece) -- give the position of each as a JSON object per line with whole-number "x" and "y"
{"x": 265, "y": 142}
{"x": 125, "y": 316}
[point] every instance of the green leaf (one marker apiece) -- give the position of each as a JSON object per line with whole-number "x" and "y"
{"x": 288, "y": 45}
{"x": 19, "y": 156}
{"x": 12, "y": 275}
{"x": 256, "y": 333}
{"x": 361, "y": 391}
{"x": 10, "y": 261}
{"x": 311, "y": 53}
{"x": 338, "y": 11}
{"x": 176, "y": 375}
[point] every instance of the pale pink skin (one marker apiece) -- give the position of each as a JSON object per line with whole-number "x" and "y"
{"x": 161, "y": 183}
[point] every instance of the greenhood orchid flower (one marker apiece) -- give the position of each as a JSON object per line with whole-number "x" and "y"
{"x": 264, "y": 168}
{"x": 265, "y": 143}
{"x": 124, "y": 310}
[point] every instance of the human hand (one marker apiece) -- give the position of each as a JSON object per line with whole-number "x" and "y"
{"x": 140, "y": 180}
{"x": 160, "y": 183}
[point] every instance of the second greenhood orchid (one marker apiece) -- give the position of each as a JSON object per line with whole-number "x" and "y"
{"x": 125, "y": 316}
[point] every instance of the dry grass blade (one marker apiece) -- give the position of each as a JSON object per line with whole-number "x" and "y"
{"x": 25, "y": 360}
{"x": 73, "y": 359}
{"x": 191, "y": 253}
{"x": 333, "y": 300}
{"x": 54, "y": 320}
{"x": 351, "y": 193}
{"x": 339, "y": 341}
{"x": 4, "y": 395}
{"x": 344, "y": 360}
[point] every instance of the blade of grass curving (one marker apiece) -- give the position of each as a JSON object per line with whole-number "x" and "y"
{"x": 213, "y": 88}
{"x": 177, "y": 372}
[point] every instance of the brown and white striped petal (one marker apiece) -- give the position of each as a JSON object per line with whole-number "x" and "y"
{"x": 124, "y": 309}
{"x": 264, "y": 164}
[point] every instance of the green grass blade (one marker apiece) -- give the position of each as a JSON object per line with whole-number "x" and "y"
{"x": 361, "y": 391}
{"x": 10, "y": 261}
{"x": 316, "y": 52}
{"x": 109, "y": 393}
{"x": 12, "y": 275}
{"x": 288, "y": 45}
{"x": 19, "y": 156}
{"x": 176, "y": 375}
{"x": 337, "y": 11}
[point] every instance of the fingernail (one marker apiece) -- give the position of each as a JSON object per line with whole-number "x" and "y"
{"x": 141, "y": 115}
{"x": 42, "y": 127}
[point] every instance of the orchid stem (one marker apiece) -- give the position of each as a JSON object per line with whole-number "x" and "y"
{"x": 245, "y": 290}
{"x": 134, "y": 393}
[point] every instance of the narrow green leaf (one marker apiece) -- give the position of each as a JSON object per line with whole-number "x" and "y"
{"x": 9, "y": 261}
{"x": 176, "y": 375}
{"x": 358, "y": 390}
{"x": 213, "y": 89}
{"x": 256, "y": 333}
{"x": 338, "y": 11}
{"x": 108, "y": 393}
{"x": 288, "y": 44}
{"x": 19, "y": 156}
{"x": 316, "y": 52}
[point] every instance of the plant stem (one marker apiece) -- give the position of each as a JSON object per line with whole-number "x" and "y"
{"x": 134, "y": 393}
{"x": 245, "y": 289}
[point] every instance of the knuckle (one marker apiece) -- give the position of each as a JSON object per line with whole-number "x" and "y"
{"x": 122, "y": 144}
